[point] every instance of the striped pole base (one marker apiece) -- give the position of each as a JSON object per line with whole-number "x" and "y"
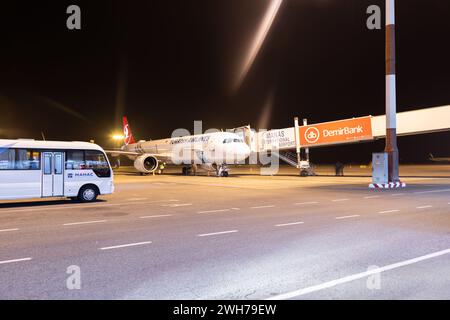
{"x": 390, "y": 185}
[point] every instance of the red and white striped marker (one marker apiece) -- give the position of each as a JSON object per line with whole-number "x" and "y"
{"x": 390, "y": 185}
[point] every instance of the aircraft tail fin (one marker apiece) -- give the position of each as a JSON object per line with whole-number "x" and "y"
{"x": 129, "y": 139}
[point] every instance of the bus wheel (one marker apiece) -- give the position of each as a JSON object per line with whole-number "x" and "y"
{"x": 88, "y": 194}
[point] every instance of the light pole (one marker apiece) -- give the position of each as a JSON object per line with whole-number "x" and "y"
{"x": 391, "y": 98}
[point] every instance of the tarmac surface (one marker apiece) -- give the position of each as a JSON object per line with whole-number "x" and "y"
{"x": 243, "y": 237}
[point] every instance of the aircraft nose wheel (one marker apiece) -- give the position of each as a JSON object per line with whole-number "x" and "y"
{"x": 224, "y": 174}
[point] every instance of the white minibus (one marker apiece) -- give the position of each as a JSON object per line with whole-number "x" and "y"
{"x": 41, "y": 169}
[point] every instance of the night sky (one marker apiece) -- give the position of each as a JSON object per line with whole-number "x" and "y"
{"x": 167, "y": 63}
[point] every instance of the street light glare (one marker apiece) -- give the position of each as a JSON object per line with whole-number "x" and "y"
{"x": 118, "y": 137}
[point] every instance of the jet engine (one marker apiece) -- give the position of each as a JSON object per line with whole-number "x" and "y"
{"x": 146, "y": 163}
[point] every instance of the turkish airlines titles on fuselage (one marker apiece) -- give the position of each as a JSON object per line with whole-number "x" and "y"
{"x": 217, "y": 148}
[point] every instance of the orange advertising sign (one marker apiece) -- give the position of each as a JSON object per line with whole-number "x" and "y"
{"x": 336, "y": 132}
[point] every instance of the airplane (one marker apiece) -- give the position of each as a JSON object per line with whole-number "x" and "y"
{"x": 212, "y": 152}
{"x": 432, "y": 158}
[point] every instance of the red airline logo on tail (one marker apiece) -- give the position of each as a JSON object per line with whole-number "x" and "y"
{"x": 129, "y": 139}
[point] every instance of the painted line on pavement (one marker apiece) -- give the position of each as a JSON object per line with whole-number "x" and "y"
{"x": 9, "y": 230}
{"x": 389, "y": 211}
{"x": 357, "y": 276}
{"x": 424, "y": 207}
{"x": 83, "y": 222}
{"x": 156, "y": 216}
{"x": 263, "y": 207}
{"x": 289, "y": 224}
{"x": 126, "y": 245}
{"x": 348, "y": 217}
{"x": 214, "y": 211}
{"x": 305, "y": 203}
{"x": 15, "y": 260}
{"x": 432, "y": 191}
{"x": 216, "y": 233}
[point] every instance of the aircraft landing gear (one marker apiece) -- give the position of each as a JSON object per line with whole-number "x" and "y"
{"x": 186, "y": 171}
{"x": 194, "y": 169}
{"x": 222, "y": 171}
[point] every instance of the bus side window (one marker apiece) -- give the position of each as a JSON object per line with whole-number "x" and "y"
{"x": 96, "y": 161}
{"x": 34, "y": 159}
{"x": 7, "y": 159}
{"x": 47, "y": 163}
{"x": 75, "y": 160}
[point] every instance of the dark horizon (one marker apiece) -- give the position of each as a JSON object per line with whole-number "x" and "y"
{"x": 167, "y": 64}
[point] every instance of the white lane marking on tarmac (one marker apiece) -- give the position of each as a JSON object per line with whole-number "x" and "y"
{"x": 371, "y": 197}
{"x": 357, "y": 276}
{"x": 9, "y": 230}
{"x": 340, "y": 200}
{"x": 214, "y": 211}
{"x": 398, "y": 194}
{"x": 175, "y": 205}
{"x": 263, "y": 207}
{"x": 216, "y": 233}
{"x": 432, "y": 191}
{"x": 289, "y": 224}
{"x": 83, "y": 222}
{"x": 126, "y": 245}
{"x": 305, "y": 203}
{"x": 137, "y": 199}
{"x": 84, "y": 206}
{"x": 156, "y": 216}
{"x": 424, "y": 207}
{"x": 348, "y": 217}
{"x": 389, "y": 211}
{"x": 15, "y": 260}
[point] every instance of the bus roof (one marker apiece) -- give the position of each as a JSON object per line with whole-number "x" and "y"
{"x": 39, "y": 144}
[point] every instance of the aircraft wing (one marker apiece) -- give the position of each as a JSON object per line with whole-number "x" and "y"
{"x": 116, "y": 153}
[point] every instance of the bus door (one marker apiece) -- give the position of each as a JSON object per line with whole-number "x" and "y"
{"x": 52, "y": 174}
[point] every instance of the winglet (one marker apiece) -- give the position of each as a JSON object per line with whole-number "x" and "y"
{"x": 129, "y": 139}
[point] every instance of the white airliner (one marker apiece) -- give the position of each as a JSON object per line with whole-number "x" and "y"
{"x": 212, "y": 152}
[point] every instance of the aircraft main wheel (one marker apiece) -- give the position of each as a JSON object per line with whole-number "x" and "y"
{"x": 225, "y": 174}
